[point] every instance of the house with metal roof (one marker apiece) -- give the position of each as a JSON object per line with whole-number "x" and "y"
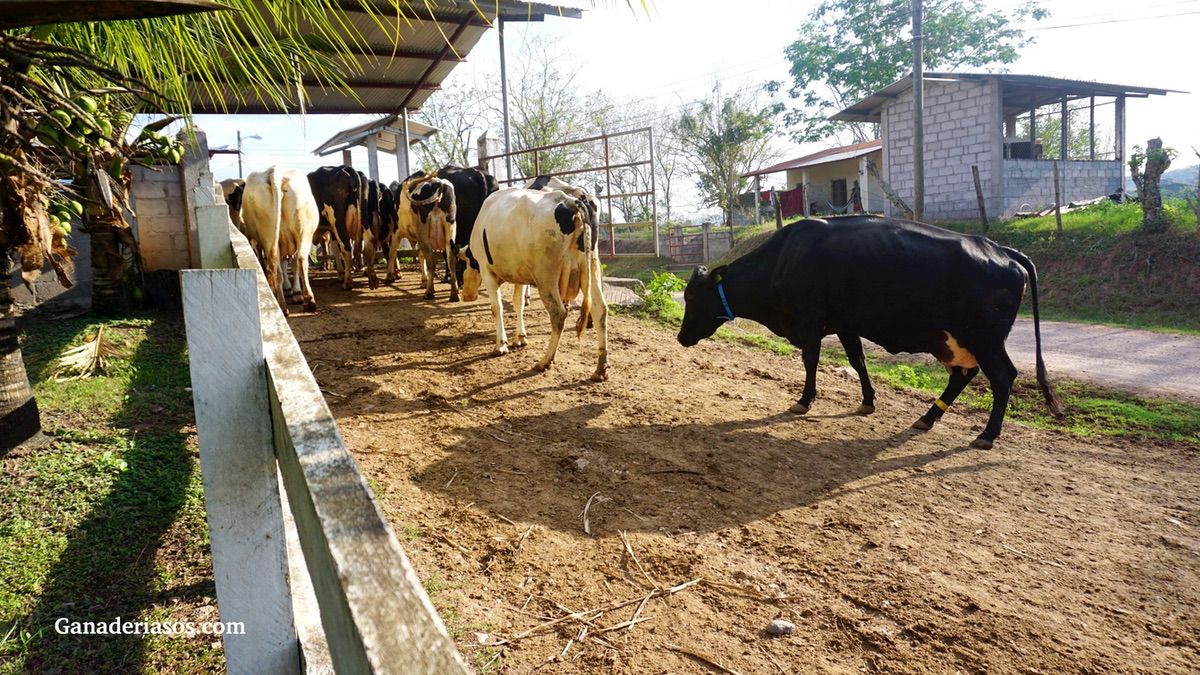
{"x": 835, "y": 180}
{"x": 971, "y": 120}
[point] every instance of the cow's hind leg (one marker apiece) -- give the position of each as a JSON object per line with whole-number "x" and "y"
{"x": 492, "y": 285}
{"x": 393, "y": 249}
{"x": 519, "y": 307}
{"x": 369, "y": 252}
{"x": 959, "y": 379}
{"x": 449, "y": 253}
{"x": 1000, "y": 373}
{"x": 558, "y": 318}
{"x": 854, "y": 352}
{"x": 599, "y": 316}
{"x": 428, "y": 262}
{"x": 811, "y": 351}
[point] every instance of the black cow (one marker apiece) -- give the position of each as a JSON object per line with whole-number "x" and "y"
{"x": 471, "y": 187}
{"x": 906, "y": 286}
{"x": 341, "y": 194}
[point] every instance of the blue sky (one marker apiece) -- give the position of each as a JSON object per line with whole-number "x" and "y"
{"x": 674, "y": 55}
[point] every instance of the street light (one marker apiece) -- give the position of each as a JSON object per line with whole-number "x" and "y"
{"x": 240, "y": 139}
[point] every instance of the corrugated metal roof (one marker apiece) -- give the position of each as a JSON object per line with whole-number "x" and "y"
{"x": 823, "y": 157}
{"x": 384, "y": 127}
{"x": 1019, "y": 92}
{"x": 399, "y": 61}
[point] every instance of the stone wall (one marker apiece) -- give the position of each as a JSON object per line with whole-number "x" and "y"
{"x": 46, "y": 290}
{"x": 160, "y": 226}
{"x": 962, "y": 128}
{"x": 1029, "y": 183}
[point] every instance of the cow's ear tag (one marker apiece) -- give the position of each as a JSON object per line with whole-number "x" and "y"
{"x": 717, "y": 278}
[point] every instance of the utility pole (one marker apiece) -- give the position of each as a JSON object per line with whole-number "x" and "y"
{"x": 918, "y": 152}
{"x": 239, "y": 141}
{"x": 504, "y": 102}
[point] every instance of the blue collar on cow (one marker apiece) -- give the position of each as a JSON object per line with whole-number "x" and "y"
{"x": 487, "y": 250}
{"x": 728, "y": 316}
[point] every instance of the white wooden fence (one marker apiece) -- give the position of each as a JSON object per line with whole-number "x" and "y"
{"x": 262, "y": 422}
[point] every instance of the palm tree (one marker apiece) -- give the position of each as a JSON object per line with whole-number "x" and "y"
{"x": 153, "y": 65}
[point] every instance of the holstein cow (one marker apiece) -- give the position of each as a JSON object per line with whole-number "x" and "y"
{"x": 280, "y": 216}
{"x": 906, "y": 286}
{"x": 382, "y": 216}
{"x": 543, "y": 238}
{"x": 341, "y": 194}
{"x": 231, "y": 189}
{"x": 471, "y": 188}
{"x": 426, "y": 213}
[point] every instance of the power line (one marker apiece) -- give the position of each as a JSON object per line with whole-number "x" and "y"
{"x": 1111, "y": 21}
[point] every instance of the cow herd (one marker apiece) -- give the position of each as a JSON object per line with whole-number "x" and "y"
{"x": 542, "y": 235}
{"x": 906, "y": 286}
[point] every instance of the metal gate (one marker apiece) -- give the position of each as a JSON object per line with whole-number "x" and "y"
{"x": 632, "y": 172}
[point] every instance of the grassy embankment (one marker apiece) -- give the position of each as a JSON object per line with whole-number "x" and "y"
{"x": 1105, "y": 270}
{"x": 107, "y": 520}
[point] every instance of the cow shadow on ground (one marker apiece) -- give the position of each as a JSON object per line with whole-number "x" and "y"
{"x": 668, "y": 477}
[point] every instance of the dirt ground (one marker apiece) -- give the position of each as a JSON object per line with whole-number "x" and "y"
{"x": 888, "y": 549}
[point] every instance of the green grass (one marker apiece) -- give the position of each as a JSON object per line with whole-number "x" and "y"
{"x": 107, "y": 519}
{"x": 1091, "y": 410}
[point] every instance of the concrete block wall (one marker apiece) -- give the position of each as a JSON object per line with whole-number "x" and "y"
{"x": 160, "y": 224}
{"x": 1029, "y": 183}
{"x": 961, "y": 129}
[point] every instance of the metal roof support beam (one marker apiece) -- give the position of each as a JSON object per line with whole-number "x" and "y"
{"x": 389, "y": 53}
{"x": 441, "y": 55}
{"x": 402, "y": 141}
{"x": 504, "y": 102}
{"x": 372, "y": 158}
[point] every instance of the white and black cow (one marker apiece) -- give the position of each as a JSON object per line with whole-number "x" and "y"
{"x": 341, "y": 194}
{"x": 426, "y": 214}
{"x": 280, "y": 216}
{"x": 545, "y": 239}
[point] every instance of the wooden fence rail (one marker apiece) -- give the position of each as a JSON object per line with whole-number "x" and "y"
{"x": 260, "y": 416}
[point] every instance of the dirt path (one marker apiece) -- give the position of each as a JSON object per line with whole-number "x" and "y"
{"x": 888, "y": 550}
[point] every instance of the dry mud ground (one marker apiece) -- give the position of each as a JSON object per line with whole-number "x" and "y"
{"x": 889, "y": 550}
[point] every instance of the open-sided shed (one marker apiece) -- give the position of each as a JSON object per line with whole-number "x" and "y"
{"x": 971, "y": 119}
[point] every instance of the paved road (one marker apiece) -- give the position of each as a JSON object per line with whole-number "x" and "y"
{"x": 1156, "y": 364}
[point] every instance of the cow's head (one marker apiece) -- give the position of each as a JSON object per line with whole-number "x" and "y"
{"x": 469, "y": 276}
{"x": 703, "y": 309}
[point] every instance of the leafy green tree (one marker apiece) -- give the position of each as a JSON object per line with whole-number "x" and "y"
{"x": 68, "y": 91}
{"x": 460, "y": 113}
{"x": 725, "y": 137}
{"x": 848, "y": 49}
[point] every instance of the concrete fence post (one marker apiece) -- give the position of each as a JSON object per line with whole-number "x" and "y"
{"x": 237, "y": 461}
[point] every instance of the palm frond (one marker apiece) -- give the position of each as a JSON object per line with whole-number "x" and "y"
{"x": 87, "y": 359}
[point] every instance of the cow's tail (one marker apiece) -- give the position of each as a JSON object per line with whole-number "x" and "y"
{"x": 585, "y": 277}
{"x": 277, "y": 194}
{"x": 1052, "y": 401}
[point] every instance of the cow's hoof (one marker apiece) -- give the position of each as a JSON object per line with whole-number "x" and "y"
{"x": 798, "y": 408}
{"x": 429, "y": 295}
{"x": 981, "y": 443}
{"x": 500, "y": 351}
{"x": 865, "y": 409}
{"x": 310, "y": 306}
{"x": 519, "y": 342}
{"x": 542, "y": 367}
{"x": 373, "y": 283}
{"x": 454, "y": 298}
{"x": 922, "y": 425}
{"x": 600, "y": 376}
